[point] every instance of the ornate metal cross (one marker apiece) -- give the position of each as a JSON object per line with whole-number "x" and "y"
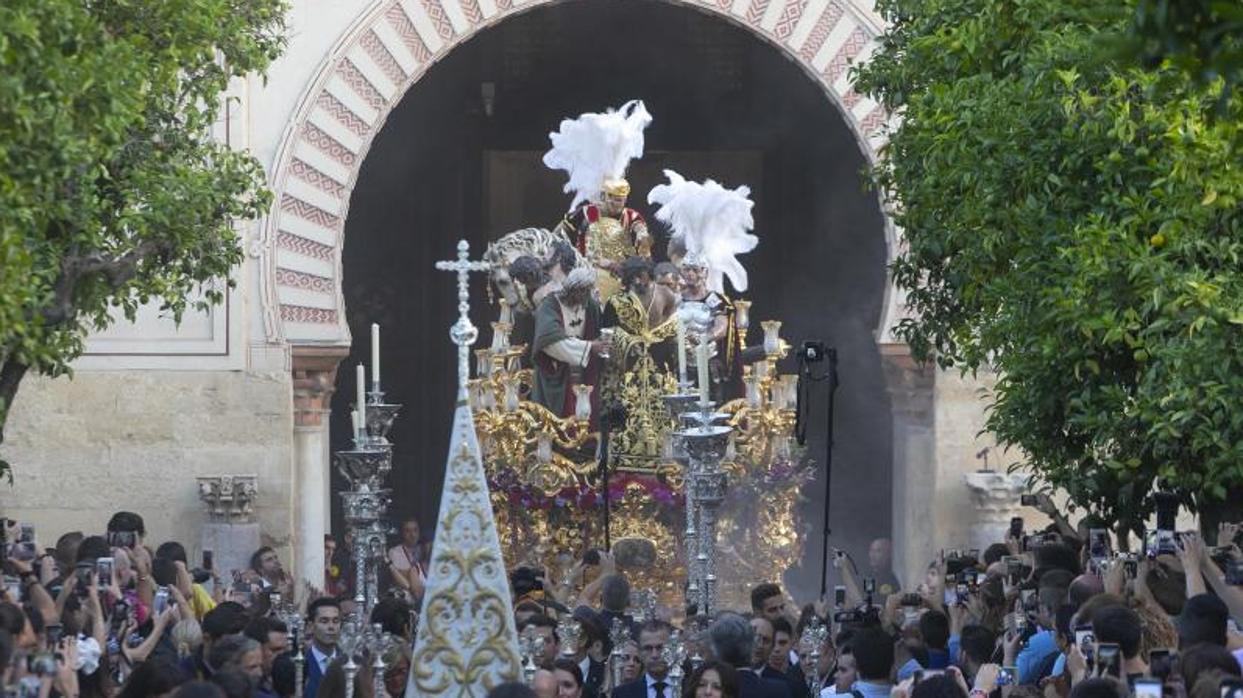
{"x": 463, "y": 333}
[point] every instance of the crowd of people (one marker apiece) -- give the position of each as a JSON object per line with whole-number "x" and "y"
{"x": 116, "y": 616}
{"x": 1056, "y": 613}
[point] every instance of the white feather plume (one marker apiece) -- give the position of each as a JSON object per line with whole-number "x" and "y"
{"x": 713, "y": 222}
{"x": 595, "y": 147}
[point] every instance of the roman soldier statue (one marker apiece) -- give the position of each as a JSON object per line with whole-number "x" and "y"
{"x": 710, "y": 228}
{"x": 595, "y": 150}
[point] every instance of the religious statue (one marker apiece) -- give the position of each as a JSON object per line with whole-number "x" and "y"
{"x": 710, "y": 225}
{"x": 725, "y": 366}
{"x": 566, "y": 348}
{"x": 644, "y": 328}
{"x": 595, "y": 150}
{"x": 553, "y": 252}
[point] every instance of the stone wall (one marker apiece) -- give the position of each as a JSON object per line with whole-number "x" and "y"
{"x": 103, "y": 441}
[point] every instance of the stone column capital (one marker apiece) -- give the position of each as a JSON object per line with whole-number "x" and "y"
{"x": 314, "y": 376}
{"x": 229, "y": 498}
{"x": 910, "y": 383}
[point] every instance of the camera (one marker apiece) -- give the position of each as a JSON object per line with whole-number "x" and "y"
{"x": 122, "y": 539}
{"x": 839, "y": 596}
{"x": 813, "y": 351}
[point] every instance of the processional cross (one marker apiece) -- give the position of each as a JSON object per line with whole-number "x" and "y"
{"x": 463, "y": 333}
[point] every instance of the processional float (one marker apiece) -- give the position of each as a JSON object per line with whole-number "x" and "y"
{"x": 702, "y": 501}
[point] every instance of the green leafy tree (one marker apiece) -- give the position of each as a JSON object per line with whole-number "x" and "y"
{"x": 1203, "y": 38}
{"x": 113, "y": 192}
{"x": 1074, "y": 223}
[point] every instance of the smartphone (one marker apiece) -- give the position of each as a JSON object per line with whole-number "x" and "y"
{"x": 160, "y": 603}
{"x": 1028, "y": 500}
{"x": 1148, "y": 688}
{"x": 53, "y": 631}
{"x": 1161, "y": 662}
{"x": 962, "y": 591}
{"x": 13, "y": 587}
{"x": 207, "y": 560}
{"x": 103, "y": 571}
{"x": 1165, "y": 542}
{"x": 974, "y": 554}
{"x": 42, "y": 664}
{"x": 120, "y": 613}
{"x": 1029, "y": 599}
{"x": 1098, "y": 543}
{"x": 1008, "y": 676}
{"x": 912, "y": 600}
{"x": 1234, "y": 573}
{"x": 869, "y": 585}
{"x": 1020, "y": 623}
{"x": 1107, "y": 657}
{"x": 1086, "y": 640}
{"x": 1016, "y": 527}
{"x": 1013, "y": 566}
{"x": 839, "y": 596}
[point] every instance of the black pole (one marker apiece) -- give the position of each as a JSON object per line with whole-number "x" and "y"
{"x": 604, "y": 477}
{"x": 828, "y": 472}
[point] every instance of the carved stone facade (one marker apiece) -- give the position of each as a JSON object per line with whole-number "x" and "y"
{"x": 229, "y": 498}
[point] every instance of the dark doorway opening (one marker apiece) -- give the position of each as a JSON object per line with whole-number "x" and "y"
{"x": 727, "y": 105}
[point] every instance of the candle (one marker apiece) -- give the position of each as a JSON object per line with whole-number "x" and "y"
{"x": 681, "y": 353}
{"x": 701, "y": 359}
{"x": 375, "y": 356}
{"x": 360, "y": 376}
{"x": 355, "y": 422}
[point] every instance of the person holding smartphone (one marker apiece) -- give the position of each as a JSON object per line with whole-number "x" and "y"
{"x": 405, "y": 560}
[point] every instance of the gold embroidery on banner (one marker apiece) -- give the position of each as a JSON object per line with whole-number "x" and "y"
{"x": 466, "y": 625}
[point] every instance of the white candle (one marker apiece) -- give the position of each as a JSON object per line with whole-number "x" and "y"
{"x": 681, "y": 353}
{"x": 355, "y": 422}
{"x": 375, "y": 356}
{"x": 701, "y": 358}
{"x": 360, "y": 376}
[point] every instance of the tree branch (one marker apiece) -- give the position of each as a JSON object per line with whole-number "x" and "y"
{"x": 10, "y": 376}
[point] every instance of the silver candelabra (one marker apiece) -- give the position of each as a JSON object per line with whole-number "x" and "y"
{"x": 366, "y": 466}
{"x": 705, "y": 443}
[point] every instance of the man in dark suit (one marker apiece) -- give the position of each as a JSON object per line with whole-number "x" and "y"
{"x": 734, "y": 642}
{"x": 590, "y": 651}
{"x": 654, "y": 683}
{"x": 779, "y": 664}
{"x": 324, "y": 618}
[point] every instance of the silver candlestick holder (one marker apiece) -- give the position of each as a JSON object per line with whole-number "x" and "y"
{"x": 813, "y": 639}
{"x": 678, "y": 405}
{"x": 619, "y": 635}
{"x": 674, "y": 654}
{"x": 366, "y": 466}
{"x": 705, "y": 444}
{"x": 380, "y": 416}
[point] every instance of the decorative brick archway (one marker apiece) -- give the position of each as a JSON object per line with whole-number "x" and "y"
{"x": 389, "y": 48}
